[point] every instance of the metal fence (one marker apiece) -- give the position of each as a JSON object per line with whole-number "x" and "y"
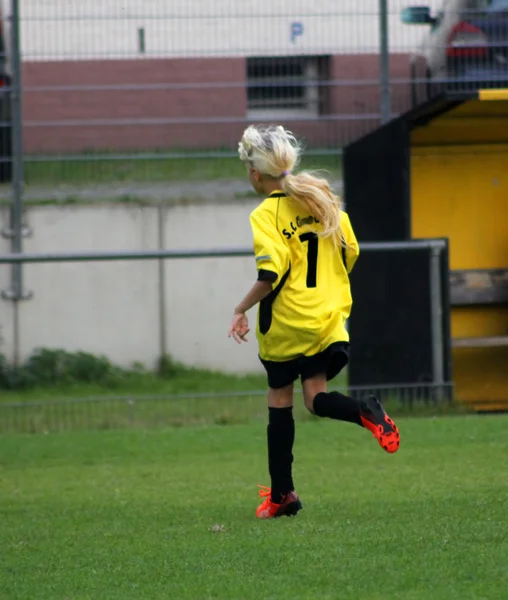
{"x": 106, "y": 412}
{"x": 122, "y": 92}
{"x": 113, "y": 100}
{"x": 204, "y": 286}
{"x": 172, "y": 79}
{"x": 130, "y": 100}
{"x": 124, "y": 412}
{"x": 127, "y": 91}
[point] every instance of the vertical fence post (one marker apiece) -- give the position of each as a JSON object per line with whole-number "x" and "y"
{"x": 17, "y": 152}
{"x": 436, "y": 319}
{"x": 384, "y": 58}
{"x": 161, "y": 213}
{"x": 16, "y": 230}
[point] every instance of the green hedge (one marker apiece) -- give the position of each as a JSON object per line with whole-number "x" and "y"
{"x": 59, "y": 367}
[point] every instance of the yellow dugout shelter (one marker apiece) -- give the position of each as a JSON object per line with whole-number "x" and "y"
{"x": 441, "y": 171}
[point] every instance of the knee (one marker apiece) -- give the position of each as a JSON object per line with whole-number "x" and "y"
{"x": 280, "y": 397}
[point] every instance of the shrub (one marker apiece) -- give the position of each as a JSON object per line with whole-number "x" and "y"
{"x": 55, "y": 366}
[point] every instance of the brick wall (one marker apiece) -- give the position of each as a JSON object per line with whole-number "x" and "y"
{"x": 57, "y": 120}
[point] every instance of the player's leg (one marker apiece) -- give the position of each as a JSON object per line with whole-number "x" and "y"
{"x": 329, "y": 404}
{"x": 368, "y": 412}
{"x": 280, "y": 498}
{"x": 280, "y": 438}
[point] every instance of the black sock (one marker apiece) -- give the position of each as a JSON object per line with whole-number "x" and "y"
{"x": 281, "y": 436}
{"x": 337, "y": 406}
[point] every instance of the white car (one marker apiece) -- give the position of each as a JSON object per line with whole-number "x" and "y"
{"x": 466, "y": 47}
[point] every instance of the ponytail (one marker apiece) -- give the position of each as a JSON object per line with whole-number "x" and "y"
{"x": 315, "y": 194}
{"x": 275, "y": 152}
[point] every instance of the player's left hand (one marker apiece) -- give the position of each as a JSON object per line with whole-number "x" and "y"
{"x": 239, "y": 327}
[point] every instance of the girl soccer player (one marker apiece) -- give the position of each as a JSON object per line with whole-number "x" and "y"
{"x": 305, "y": 249}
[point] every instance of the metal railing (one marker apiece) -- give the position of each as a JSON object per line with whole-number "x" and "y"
{"x": 350, "y": 65}
{"x": 135, "y": 111}
{"x": 436, "y": 247}
{"x": 89, "y": 116}
{"x": 225, "y": 408}
{"x": 20, "y": 258}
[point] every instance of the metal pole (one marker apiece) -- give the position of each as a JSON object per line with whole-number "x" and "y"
{"x": 17, "y": 154}
{"x": 16, "y": 213}
{"x": 436, "y": 319}
{"x": 384, "y": 57}
{"x": 162, "y": 284}
{"x": 107, "y": 255}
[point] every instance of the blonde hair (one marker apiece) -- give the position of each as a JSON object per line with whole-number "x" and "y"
{"x": 275, "y": 152}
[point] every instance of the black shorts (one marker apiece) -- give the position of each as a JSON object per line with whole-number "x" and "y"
{"x": 331, "y": 361}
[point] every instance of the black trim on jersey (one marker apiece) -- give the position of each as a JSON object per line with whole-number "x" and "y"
{"x": 278, "y": 195}
{"x": 265, "y": 306}
{"x": 266, "y": 275}
{"x": 344, "y": 256}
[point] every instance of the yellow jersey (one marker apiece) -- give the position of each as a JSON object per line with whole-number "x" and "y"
{"x": 310, "y": 301}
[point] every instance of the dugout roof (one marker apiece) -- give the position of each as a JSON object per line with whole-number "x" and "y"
{"x": 479, "y": 117}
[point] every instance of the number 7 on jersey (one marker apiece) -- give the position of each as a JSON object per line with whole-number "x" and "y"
{"x": 312, "y": 256}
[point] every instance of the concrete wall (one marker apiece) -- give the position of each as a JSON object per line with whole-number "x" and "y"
{"x": 6, "y": 308}
{"x": 113, "y": 308}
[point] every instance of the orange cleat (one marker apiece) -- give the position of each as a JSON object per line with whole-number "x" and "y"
{"x": 289, "y": 506}
{"x": 375, "y": 419}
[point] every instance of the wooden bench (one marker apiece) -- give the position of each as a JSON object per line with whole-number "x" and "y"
{"x": 495, "y": 341}
{"x": 479, "y": 287}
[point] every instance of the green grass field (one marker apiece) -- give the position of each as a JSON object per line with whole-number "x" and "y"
{"x": 89, "y": 170}
{"x": 169, "y": 514}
